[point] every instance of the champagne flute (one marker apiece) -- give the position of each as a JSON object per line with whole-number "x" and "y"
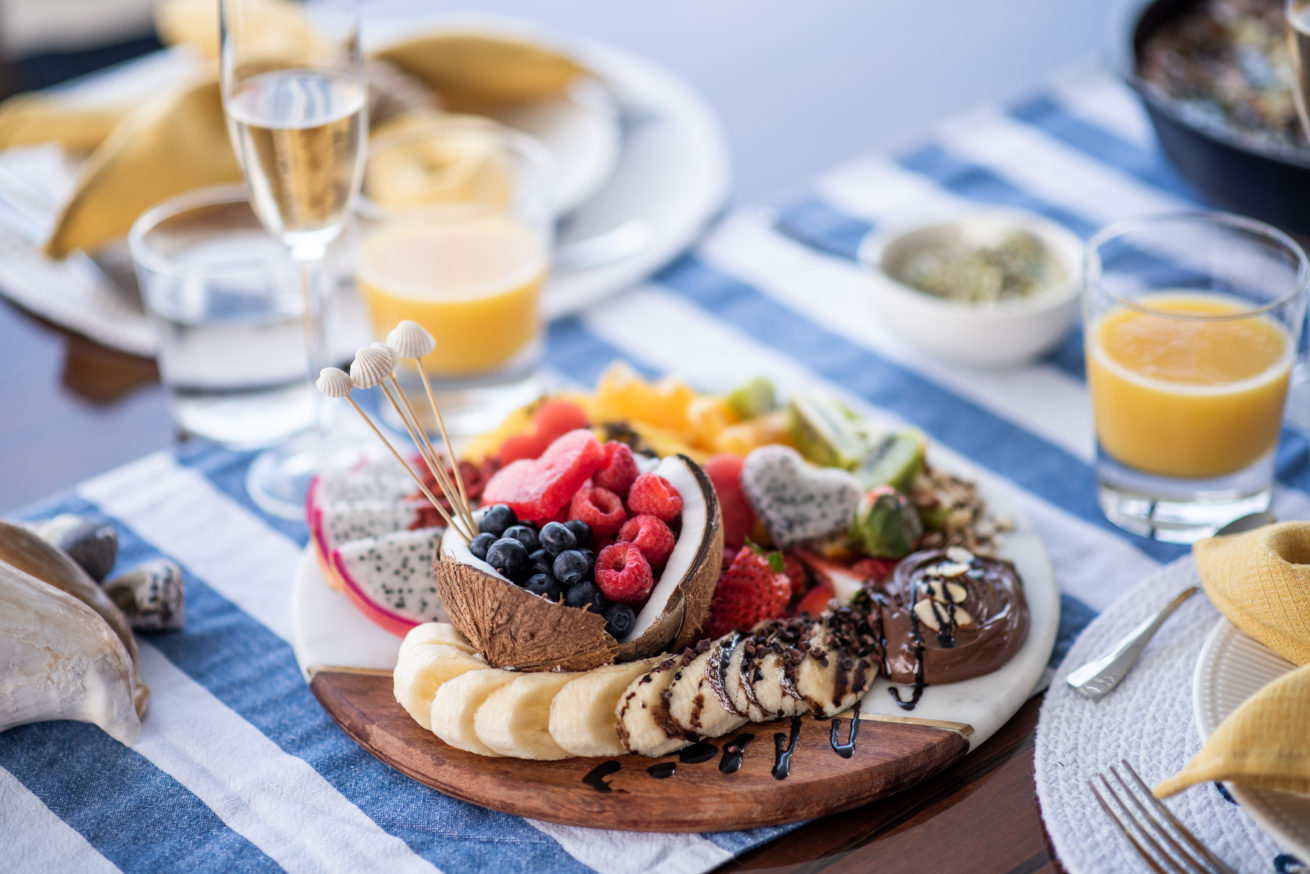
{"x": 296, "y": 105}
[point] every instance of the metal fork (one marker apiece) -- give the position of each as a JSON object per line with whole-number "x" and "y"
{"x": 1151, "y": 827}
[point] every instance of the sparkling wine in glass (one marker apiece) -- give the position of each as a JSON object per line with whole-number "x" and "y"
{"x": 296, "y": 106}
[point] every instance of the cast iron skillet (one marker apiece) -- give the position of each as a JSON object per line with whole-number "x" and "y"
{"x": 1273, "y": 186}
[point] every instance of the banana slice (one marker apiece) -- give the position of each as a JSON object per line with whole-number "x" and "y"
{"x": 693, "y": 702}
{"x": 774, "y": 690}
{"x": 429, "y": 633}
{"x": 834, "y": 684}
{"x": 582, "y": 712}
{"x": 644, "y": 725}
{"x": 422, "y": 670}
{"x": 515, "y": 719}
{"x": 457, "y": 702}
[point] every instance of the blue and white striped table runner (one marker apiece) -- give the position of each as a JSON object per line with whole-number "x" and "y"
{"x": 239, "y": 769}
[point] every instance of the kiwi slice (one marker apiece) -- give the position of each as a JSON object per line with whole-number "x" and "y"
{"x": 752, "y": 399}
{"x": 824, "y": 433}
{"x": 892, "y": 458}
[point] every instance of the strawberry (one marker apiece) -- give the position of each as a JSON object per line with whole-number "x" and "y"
{"x": 752, "y": 589}
{"x": 795, "y": 571}
{"x": 878, "y": 570}
{"x": 815, "y": 601}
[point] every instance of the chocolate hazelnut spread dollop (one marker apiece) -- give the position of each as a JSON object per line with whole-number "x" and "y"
{"x": 951, "y": 615}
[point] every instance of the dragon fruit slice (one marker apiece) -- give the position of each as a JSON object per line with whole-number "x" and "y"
{"x": 797, "y": 502}
{"x": 363, "y": 484}
{"x": 389, "y": 578}
{"x": 344, "y": 521}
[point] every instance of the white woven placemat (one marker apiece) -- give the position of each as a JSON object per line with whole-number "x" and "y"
{"x": 1146, "y": 720}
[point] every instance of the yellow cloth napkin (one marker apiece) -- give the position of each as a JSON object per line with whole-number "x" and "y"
{"x": 171, "y": 145}
{"x": 32, "y": 119}
{"x": 1260, "y": 580}
{"x": 1265, "y": 743}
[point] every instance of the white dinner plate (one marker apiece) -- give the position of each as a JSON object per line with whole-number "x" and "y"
{"x": 328, "y": 630}
{"x": 1231, "y": 668}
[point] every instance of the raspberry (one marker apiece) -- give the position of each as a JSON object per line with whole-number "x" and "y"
{"x": 620, "y": 469}
{"x": 600, "y": 508}
{"x": 623, "y": 574}
{"x": 651, "y": 536}
{"x": 653, "y": 495}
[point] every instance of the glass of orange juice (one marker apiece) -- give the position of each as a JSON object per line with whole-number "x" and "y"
{"x": 1192, "y": 324}
{"x": 455, "y": 233}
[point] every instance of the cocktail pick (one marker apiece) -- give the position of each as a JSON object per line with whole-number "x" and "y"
{"x": 409, "y": 339}
{"x": 373, "y": 366}
{"x": 333, "y": 382}
{"x": 382, "y": 360}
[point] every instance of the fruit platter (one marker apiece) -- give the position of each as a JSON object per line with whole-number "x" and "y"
{"x": 654, "y": 608}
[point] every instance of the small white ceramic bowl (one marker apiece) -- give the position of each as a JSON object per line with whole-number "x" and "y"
{"x": 1001, "y": 334}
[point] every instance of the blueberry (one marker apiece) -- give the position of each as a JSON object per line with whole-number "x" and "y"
{"x": 619, "y": 620}
{"x": 525, "y": 534}
{"x": 544, "y": 585}
{"x": 509, "y": 557}
{"x": 581, "y": 531}
{"x": 571, "y": 567}
{"x": 557, "y": 537}
{"x": 497, "y": 519}
{"x": 585, "y": 594}
{"x": 591, "y": 562}
{"x": 542, "y": 562}
{"x": 480, "y": 544}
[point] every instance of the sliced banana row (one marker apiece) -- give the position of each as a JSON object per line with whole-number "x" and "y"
{"x": 652, "y": 707}
{"x": 448, "y": 688}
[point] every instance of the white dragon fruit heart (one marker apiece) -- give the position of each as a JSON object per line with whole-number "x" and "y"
{"x": 797, "y": 502}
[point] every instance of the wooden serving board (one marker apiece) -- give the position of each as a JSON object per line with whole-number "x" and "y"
{"x": 890, "y": 754}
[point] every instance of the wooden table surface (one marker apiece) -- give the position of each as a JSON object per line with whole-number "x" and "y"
{"x": 78, "y": 409}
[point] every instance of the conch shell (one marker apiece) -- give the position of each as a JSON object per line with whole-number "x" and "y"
{"x": 26, "y": 553}
{"x": 62, "y": 661}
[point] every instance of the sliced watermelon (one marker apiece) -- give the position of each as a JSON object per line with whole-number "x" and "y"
{"x": 537, "y": 489}
{"x": 724, "y": 470}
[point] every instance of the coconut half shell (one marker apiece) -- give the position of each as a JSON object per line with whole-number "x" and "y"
{"x": 513, "y": 628}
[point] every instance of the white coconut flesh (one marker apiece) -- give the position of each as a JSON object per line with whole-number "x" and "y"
{"x": 694, "y": 518}
{"x": 453, "y": 548}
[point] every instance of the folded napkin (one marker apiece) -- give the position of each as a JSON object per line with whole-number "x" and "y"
{"x": 1260, "y": 580}
{"x": 1265, "y": 743}
{"x": 172, "y": 144}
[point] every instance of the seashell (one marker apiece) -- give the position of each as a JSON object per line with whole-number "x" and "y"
{"x": 372, "y": 364}
{"x": 334, "y": 382}
{"x": 411, "y": 340}
{"x": 91, "y": 542}
{"x": 62, "y": 660}
{"x": 23, "y": 551}
{"x": 151, "y": 596}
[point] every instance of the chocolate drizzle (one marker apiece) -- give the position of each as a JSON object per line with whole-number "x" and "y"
{"x": 697, "y": 753}
{"x": 783, "y": 747}
{"x": 663, "y": 770}
{"x": 847, "y": 749}
{"x": 732, "y": 753}
{"x": 595, "y": 778}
